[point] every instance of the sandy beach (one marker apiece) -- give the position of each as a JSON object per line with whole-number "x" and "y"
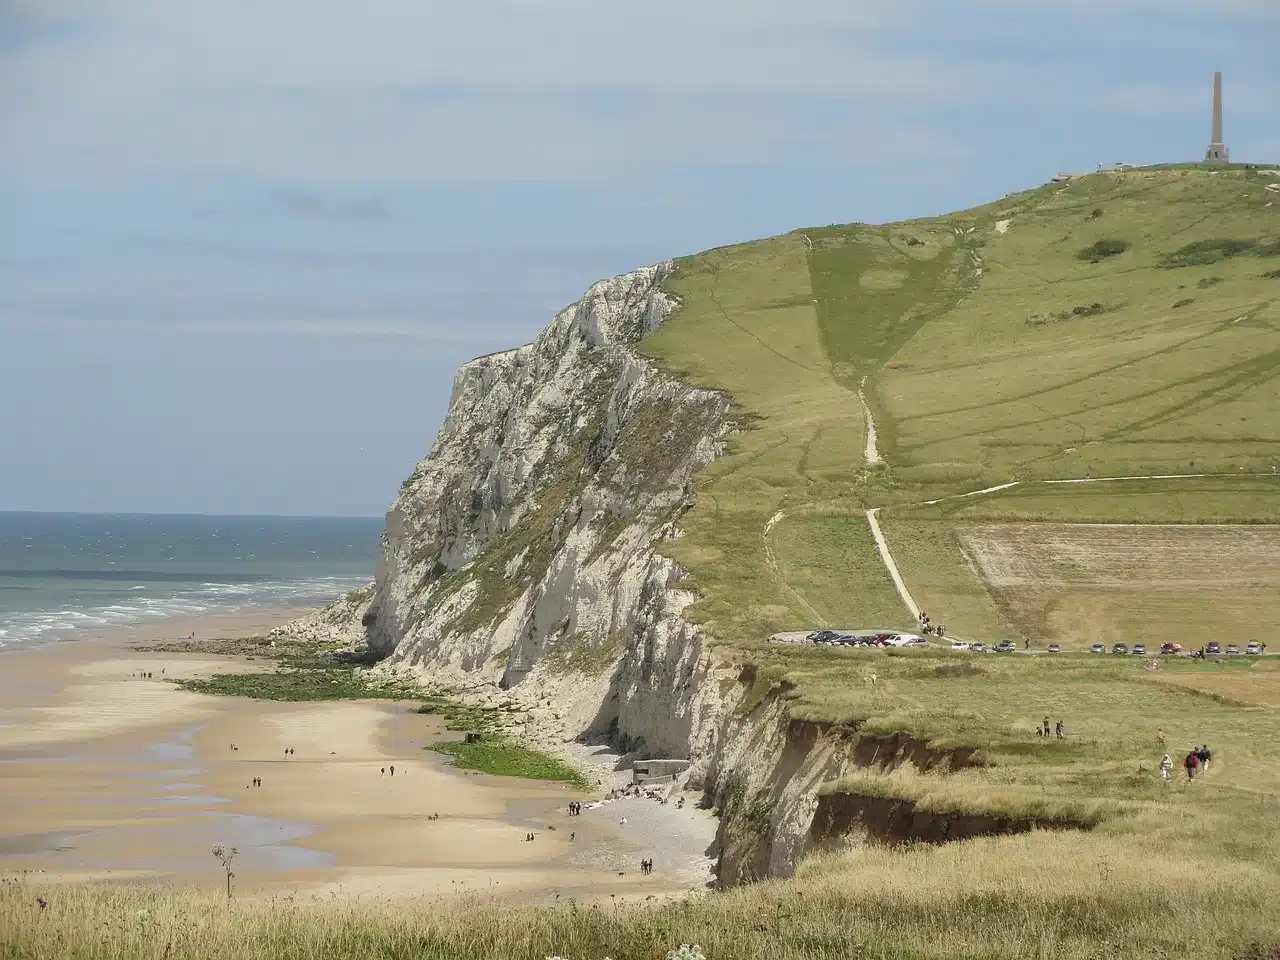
{"x": 109, "y": 774}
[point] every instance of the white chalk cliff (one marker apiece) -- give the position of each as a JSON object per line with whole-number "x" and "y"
{"x": 521, "y": 565}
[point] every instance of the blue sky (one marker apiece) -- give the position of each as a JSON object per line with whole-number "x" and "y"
{"x": 243, "y": 245}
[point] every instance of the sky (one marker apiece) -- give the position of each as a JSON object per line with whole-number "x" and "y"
{"x": 245, "y": 244}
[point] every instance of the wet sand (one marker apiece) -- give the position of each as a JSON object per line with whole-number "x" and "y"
{"x": 109, "y": 775}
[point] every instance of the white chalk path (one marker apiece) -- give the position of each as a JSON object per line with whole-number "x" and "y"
{"x": 1154, "y": 476}
{"x": 887, "y": 558}
{"x": 871, "y": 453}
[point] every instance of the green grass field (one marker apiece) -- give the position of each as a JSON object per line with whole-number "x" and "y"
{"x": 992, "y": 345}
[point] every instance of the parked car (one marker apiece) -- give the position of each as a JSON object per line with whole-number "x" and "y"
{"x": 978, "y": 647}
{"x": 1170, "y": 647}
{"x": 1054, "y": 648}
{"x": 1254, "y": 649}
{"x": 1140, "y": 649}
{"x": 1233, "y": 648}
{"x": 1120, "y": 648}
{"x": 1098, "y": 648}
{"x": 1213, "y": 647}
{"x": 959, "y": 645}
{"x": 1005, "y": 646}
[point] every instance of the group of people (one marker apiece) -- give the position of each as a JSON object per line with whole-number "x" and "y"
{"x": 575, "y": 808}
{"x": 288, "y": 751}
{"x": 393, "y": 771}
{"x": 1195, "y": 762}
{"x": 1058, "y": 730}
{"x": 257, "y": 781}
{"x": 927, "y": 628}
{"x": 646, "y": 866}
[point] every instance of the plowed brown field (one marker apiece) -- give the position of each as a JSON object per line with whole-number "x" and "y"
{"x": 1086, "y": 583}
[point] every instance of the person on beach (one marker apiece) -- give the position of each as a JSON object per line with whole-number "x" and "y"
{"x": 1166, "y": 768}
{"x": 383, "y": 773}
{"x": 393, "y": 769}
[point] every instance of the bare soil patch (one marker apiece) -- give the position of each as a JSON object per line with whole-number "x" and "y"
{"x": 1256, "y": 687}
{"x": 1087, "y": 583}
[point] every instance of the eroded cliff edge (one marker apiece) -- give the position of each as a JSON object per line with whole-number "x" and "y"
{"x": 521, "y": 564}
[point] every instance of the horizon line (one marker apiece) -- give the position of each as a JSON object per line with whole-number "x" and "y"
{"x": 144, "y": 513}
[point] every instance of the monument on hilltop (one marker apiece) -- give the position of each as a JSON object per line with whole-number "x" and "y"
{"x": 1217, "y": 152}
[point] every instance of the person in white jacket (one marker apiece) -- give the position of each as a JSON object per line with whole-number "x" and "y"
{"x": 1166, "y": 767}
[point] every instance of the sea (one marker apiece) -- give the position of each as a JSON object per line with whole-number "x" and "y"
{"x": 63, "y": 575}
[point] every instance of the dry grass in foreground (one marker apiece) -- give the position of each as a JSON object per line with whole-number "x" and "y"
{"x": 1043, "y": 894}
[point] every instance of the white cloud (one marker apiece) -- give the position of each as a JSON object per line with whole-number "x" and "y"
{"x": 328, "y": 91}
{"x": 387, "y": 89}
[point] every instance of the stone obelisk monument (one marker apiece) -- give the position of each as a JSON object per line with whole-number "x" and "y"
{"x": 1217, "y": 152}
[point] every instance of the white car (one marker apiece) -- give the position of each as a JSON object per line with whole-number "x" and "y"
{"x": 959, "y": 645}
{"x": 1254, "y": 649}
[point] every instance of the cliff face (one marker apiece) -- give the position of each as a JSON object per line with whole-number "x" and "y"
{"x": 520, "y": 565}
{"x": 523, "y": 548}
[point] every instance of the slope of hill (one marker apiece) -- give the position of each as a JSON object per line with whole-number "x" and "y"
{"x": 1117, "y": 325}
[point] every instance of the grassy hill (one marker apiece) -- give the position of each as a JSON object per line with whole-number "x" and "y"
{"x": 1117, "y": 325}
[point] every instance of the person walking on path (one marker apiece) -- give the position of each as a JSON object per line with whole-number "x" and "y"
{"x": 1204, "y": 756}
{"x": 1060, "y": 730}
{"x": 1192, "y": 763}
{"x": 1166, "y": 768}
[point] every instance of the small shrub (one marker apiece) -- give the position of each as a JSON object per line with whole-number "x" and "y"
{"x": 1183, "y": 303}
{"x": 1103, "y": 249}
{"x": 1202, "y": 253}
{"x": 1095, "y": 213}
{"x": 958, "y": 670}
{"x": 1208, "y": 282}
{"x": 1272, "y": 275}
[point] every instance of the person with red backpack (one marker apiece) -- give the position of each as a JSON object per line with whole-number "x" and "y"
{"x": 1192, "y": 763}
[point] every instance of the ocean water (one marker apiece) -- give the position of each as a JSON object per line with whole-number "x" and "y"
{"x": 64, "y": 574}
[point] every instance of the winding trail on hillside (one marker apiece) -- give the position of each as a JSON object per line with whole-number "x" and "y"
{"x": 775, "y": 569}
{"x": 887, "y": 559}
{"x": 871, "y": 453}
{"x": 1070, "y": 480}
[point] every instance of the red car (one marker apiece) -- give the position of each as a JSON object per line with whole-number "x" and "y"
{"x": 1170, "y": 648}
